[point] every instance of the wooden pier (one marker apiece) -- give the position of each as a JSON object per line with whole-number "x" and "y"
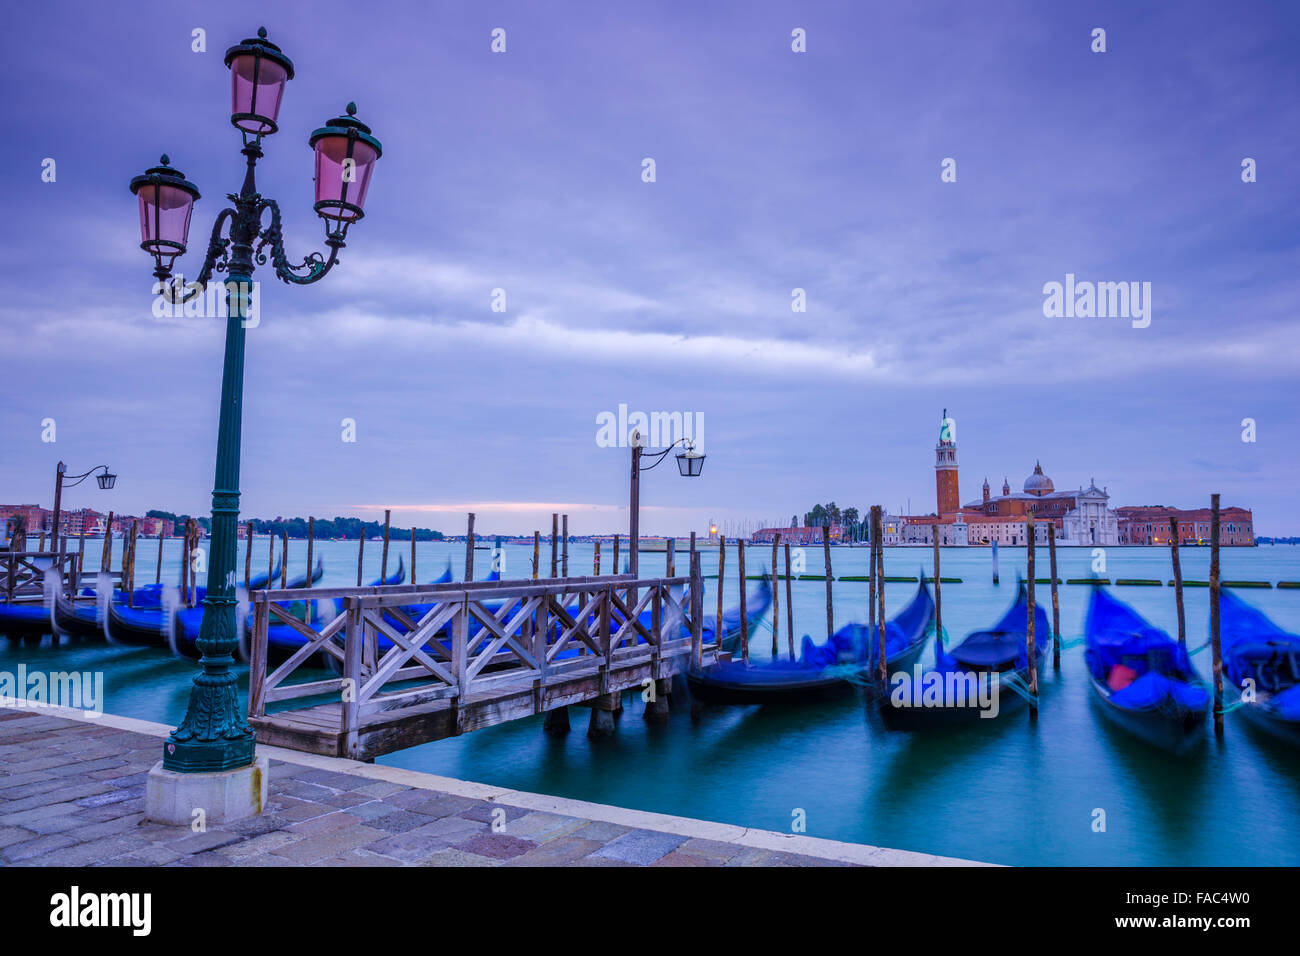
{"x": 480, "y": 653}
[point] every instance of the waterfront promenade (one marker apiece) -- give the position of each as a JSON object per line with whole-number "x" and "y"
{"x": 72, "y": 794}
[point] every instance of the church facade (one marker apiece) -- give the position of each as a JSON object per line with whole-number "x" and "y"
{"x": 1075, "y": 517}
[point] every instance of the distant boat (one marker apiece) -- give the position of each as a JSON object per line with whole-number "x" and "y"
{"x": 1142, "y": 678}
{"x": 1256, "y": 649}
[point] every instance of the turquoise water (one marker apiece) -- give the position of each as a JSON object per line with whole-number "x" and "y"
{"x": 1004, "y": 791}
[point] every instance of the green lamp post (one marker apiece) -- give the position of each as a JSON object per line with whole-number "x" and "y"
{"x": 215, "y": 736}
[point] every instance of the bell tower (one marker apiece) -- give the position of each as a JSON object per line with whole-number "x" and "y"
{"x": 945, "y": 468}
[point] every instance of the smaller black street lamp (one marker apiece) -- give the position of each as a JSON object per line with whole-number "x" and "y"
{"x": 106, "y": 480}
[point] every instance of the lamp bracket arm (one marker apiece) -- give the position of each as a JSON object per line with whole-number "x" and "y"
{"x": 178, "y": 291}
{"x": 311, "y": 269}
{"x": 71, "y": 481}
{"x": 659, "y": 456}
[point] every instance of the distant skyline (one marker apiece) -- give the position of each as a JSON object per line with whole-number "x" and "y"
{"x": 775, "y": 171}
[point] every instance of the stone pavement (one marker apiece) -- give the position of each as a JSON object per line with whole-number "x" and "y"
{"x": 72, "y": 794}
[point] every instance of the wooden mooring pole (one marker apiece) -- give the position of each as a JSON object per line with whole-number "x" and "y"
{"x": 555, "y": 533}
{"x": 722, "y": 562}
{"x": 311, "y": 541}
{"x": 383, "y": 559}
{"x": 995, "y": 562}
{"x": 106, "y": 553}
{"x": 248, "y": 555}
{"x": 789, "y": 605}
{"x": 776, "y": 593}
{"x": 537, "y": 553}
{"x": 871, "y": 573}
{"x": 162, "y": 535}
{"x": 469, "y": 547}
{"x": 670, "y": 559}
{"x": 1216, "y": 648}
{"x": 615, "y": 568}
{"x": 412, "y": 554}
{"x": 595, "y": 559}
{"x": 830, "y": 600}
{"x": 1056, "y": 598}
{"x": 564, "y": 546}
{"x": 744, "y": 615}
{"x": 129, "y": 587}
{"x": 1032, "y": 614}
{"x": 1178, "y": 581}
{"x": 361, "y": 553}
{"x": 878, "y": 536}
{"x": 938, "y": 600}
{"x": 284, "y": 558}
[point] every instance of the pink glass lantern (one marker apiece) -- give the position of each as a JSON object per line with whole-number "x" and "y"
{"x": 345, "y": 158}
{"x": 258, "y": 73}
{"x": 166, "y": 202}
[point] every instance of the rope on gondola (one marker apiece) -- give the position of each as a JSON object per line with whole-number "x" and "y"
{"x": 1013, "y": 681}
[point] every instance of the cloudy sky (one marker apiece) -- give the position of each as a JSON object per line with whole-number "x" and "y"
{"x": 774, "y": 171}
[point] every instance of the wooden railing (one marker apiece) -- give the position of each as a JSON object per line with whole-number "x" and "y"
{"x": 22, "y": 573}
{"x": 562, "y": 639}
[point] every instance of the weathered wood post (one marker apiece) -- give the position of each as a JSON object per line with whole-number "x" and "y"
{"x": 670, "y": 559}
{"x": 40, "y": 545}
{"x": 789, "y": 605}
{"x": 361, "y": 552}
{"x": 248, "y": 555}
{"x": 106, "y": 554}
{"x": 1032, "y": 614}
{"x": 1178, "y": 580}
{"x": 871, "y": 572}
{"x": 555, "y": 533}
{"x": 744, "y": 615}
{"x": 1216, "y": 648}
{"x": 383, "y": 558}
{"x": 196, "y": 537}
{"x": 412, "y": 554}
{"x": 564, "y": 547}
{"x": 830, "y": 601}
{"x": 129, "y": 588}
{"x": 162, "y": 535}
{"x": 537, "y": 553}
{"x": 1056, "y": 598}
{"x": 697, "y": 612}
{"x": 879, "y": 534}
{"x": 284, "y": 558}
{"x": 776, "y": 593}
{"x": 938, "y": 600}
{"x": 469, "y": 547}
{"x": 311, "y": 541}
{"x": 722, "y": 562}
{"x": 186, "y": 542}
{"x": 995, "y": 561}
{"x": 595, "y": 559}
{"x": 81, "y": 555}
{"x": 615, "y": 569}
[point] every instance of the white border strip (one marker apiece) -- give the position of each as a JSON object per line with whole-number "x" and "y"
{"x": 858, "y": 853}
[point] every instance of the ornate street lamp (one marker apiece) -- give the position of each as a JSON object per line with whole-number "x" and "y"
{"x": 690, "y": 464}
{"x": 105, "y": 478}
{"x": 215, "y": 735}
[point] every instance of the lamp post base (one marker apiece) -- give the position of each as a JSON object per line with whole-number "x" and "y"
{"x": 173, "y": 798}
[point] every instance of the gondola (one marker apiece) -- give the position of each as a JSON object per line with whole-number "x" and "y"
{"x": 180, "y": 629}
{"x": 1143, "y": 679}
{"x": 24, "y": 619}
{"x": 995, "y": 660}
{"x": 823, "y": 671}
{"x": 77, "y": 619}
{"x": 1255, "y": 649}
{"x": 757, "y": 601}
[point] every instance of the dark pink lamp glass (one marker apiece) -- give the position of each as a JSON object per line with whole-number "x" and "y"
{"x": 340, "y": 181}
{"x": 256, "y": 88}
{"x": 164, "y": 218}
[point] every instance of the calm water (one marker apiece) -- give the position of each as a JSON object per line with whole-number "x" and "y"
{"x": 1003, "y": 791}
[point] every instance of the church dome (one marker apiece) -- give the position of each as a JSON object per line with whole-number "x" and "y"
{"x": 1038, "y": 483}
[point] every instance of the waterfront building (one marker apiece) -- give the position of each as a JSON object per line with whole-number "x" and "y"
{"x": 796, "y": 536}
{"x": 1149, "y": 524}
